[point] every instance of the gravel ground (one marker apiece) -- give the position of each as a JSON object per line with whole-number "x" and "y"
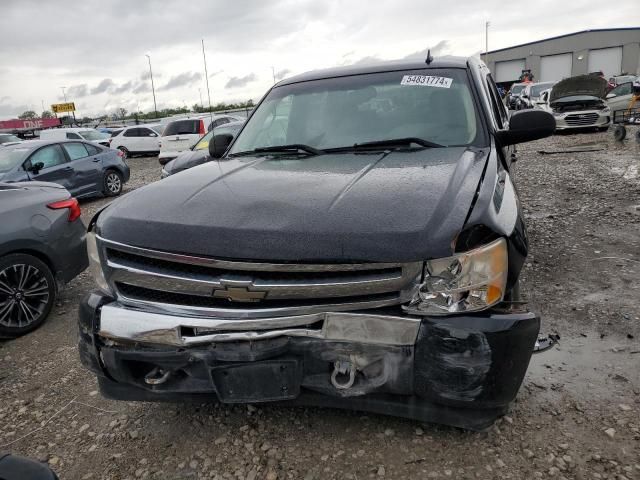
{"x": 577, "y": 414}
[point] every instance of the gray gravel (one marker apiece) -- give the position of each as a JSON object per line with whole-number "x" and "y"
{"x": 577, "y": 415}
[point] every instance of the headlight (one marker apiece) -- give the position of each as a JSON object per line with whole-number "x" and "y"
{"x": 164, "y": 174}
{"x": 606, "y": 110}
{"x": 558, "y": 114}
{"x": 94, "y": 263}
{"x": 465, "y": 282}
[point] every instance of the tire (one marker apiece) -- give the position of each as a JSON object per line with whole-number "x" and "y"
{"x": 112, "y": 183}
{"x": 27, "y": 294}
{"x": 619, "y": 132}
{"x": 125, "y": 152}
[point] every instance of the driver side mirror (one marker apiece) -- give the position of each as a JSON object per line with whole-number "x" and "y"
{"x": 219, "y": 144}
{"x": 611, "y": 95}
{"x": 527, "y": 125}
{"x": 34, "y": 168}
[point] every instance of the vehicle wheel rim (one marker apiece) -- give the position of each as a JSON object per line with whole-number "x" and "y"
{"x": 113, "y": 183}
{"x": 24, "y": 295}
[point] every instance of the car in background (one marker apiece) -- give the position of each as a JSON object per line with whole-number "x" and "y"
{"x": 620, "y": 97}
{"x": 513, "y": 95}
{"x": 137, "y": 140}
{"x": 199, "y": 153}
{"x": 7, "y": 139}
{"x": 579, "y": 102}
{"x": 76, "y": 133}
{"x": 181, "y": 135}
{"x": 83, "y": 168}
{"x": 42, "y": 247}
{"x": 530, "y": 95}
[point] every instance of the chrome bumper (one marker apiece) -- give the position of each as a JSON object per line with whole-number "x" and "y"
{"x": 123, "y": 324}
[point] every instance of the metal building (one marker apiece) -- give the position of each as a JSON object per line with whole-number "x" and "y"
{"x": 613, "y": 51}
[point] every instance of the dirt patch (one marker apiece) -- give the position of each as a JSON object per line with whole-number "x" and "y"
{"x": 577, "y": 415}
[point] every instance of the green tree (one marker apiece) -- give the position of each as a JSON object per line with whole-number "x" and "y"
{"x": 122, "y": 112}
{"x": 29, "y": 114}
{"x": 46, "y": 114}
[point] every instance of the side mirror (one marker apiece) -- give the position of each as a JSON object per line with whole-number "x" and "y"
{"x": 527, "y": 125}
{"x": 153, "y": 134}
{"x": 524, "y": 95}
{"x": 34, "y": 168}
{"x": 611, "y": 95}
{"x": 219, "y": 144}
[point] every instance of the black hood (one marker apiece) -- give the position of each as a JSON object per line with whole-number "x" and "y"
{"x": 582, "y": 85}
{"x": 399, "y": 206}
{"x": 186, "y": 160}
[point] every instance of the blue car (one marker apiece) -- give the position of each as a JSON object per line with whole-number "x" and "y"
{"x": 83, "y": 168}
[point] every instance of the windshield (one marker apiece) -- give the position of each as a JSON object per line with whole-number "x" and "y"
{"x": 432, "y": 104}
{"x": 537, "y": 89}
{"x": 9, "y": 138}
{"x": 11, "y": 157}
{"x": 516, "y": 89}
{"x": 93, "y": 135}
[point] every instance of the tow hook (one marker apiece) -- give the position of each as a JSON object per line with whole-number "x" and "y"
{"x": 341, "y": 370}
{"x": 157, "y": 376}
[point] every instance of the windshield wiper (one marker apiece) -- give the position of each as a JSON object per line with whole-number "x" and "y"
{"x": 394, "y": 142}
{"x": 292, "y": 148}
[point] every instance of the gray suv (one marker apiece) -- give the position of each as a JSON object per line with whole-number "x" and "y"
{"x": 357, "y": 245}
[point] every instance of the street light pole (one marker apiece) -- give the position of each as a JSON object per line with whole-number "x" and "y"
{"x": 64, "y": 94}
{"x": 200, "y": 93}
{"x": 486, "y": 43}
{"x": 153, "y": 88}
{"x": 273, "y": 72}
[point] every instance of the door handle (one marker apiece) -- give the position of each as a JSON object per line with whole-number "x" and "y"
{"x": 67, "y": 169}
{"x": 96, "y": 159}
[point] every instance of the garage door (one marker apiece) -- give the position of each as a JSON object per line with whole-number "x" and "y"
{"x": 555, "y": 67}
{"x": 606, "y": 60}
{"x": 509, "y": 71}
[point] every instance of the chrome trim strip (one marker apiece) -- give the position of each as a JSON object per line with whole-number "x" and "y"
{"x": 123, "y": 324}
{"x": 248, "y": 266}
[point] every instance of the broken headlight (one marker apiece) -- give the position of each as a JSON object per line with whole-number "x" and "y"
{"x": 466, "y": 282}
{"x": 95, "y": 267}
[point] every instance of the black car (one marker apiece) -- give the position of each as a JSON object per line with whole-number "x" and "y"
{"x": 357, "y": 245}
{"x": 83, "y": 168}
{"x": 199, "y": 153}
{"x": 42, "y": 247}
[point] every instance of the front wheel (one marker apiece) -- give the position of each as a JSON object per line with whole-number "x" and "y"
{"x": 112, "y": 183}
{"x": 619, "y": 132}
{"x": 27, "y": 293}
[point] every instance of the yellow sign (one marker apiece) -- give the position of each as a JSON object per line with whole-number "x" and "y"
{"x": 63, "y": 107}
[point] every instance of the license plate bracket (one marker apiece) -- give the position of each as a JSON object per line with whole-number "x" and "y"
{"x": 264, "y": 381}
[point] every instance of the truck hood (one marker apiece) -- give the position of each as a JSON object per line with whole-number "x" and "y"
{"x": 384, "y": 206}
{"x": 582, "y": 85}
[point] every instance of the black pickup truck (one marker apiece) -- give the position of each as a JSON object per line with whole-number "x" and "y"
{"x": 357, "y": 245}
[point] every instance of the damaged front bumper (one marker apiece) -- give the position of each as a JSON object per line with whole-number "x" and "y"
{"x": 460, "y": 370}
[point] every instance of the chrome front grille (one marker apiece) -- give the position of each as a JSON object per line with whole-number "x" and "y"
{"x": 200, "y": 286}
{"x": 581, "y": 119}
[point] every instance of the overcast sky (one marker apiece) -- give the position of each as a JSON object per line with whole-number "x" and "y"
{"x": 96, "y": 49}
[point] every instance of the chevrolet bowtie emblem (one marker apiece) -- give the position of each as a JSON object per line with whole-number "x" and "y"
{"x": 239, "y": 294}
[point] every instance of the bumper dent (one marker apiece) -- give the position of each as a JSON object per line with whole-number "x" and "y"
{"x": 462, "y": 371}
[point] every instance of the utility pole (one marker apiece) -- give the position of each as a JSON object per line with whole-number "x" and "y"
{"x": 200, "y": 93}
{"x": 64, "y": 94}
{"x": 153, "y": 88}
{"x": 206, "y": 77}
{"x": 486, "y": 43}
{"x": 273, "y": 72}
{"x": 42, "y": 102}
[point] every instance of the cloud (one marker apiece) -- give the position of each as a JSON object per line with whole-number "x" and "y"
{"x": 439, "y": 48}
{"x": 216, "y": 73}
{"x": 124, "y": 88}
{"x": 5, "y": 98}
{"x": 141, "y": 87}
{"x": 102, "y": 87}
{"x": 182, "y": 80}
{"x": 280, "y": 74}
{"x": 237, "y": 82}
{"x": 77, "y": 91}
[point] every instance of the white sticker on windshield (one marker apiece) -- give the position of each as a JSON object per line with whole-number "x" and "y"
{"x": 427, "y": 81}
